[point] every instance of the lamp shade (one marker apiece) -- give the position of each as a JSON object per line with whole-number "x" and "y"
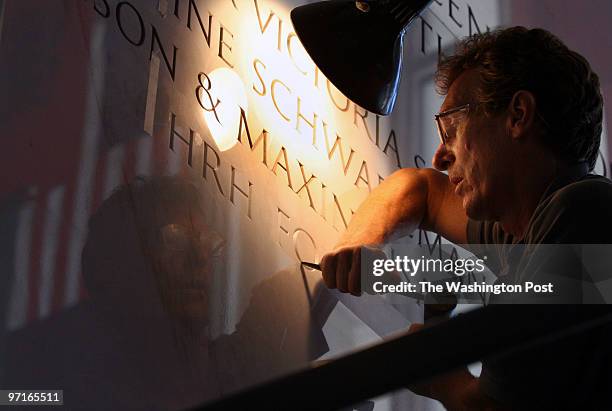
{"x": 358, "y": 45}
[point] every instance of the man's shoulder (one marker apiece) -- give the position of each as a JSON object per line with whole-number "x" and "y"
{"x": 579, "y": 212}
{"x": 587, "y": 199}
{"x": 591, "y": 188}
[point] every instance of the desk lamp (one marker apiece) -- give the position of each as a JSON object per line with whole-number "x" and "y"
{"x": 357, "y": 45}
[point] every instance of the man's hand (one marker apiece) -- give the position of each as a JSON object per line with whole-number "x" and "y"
{"x": 406, "y": 200}
{"x": 342, "y": 267}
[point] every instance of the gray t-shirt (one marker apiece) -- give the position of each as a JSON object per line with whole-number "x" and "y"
{"x": 574, "y": 372}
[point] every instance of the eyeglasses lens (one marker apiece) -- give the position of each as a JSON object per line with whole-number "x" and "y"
{"x": 449, "y": 123}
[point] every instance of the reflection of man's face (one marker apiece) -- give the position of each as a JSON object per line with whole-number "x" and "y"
{"x": 182, "y": 249}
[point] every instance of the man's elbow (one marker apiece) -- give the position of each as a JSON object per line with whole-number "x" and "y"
{"x": 410, "y": 182}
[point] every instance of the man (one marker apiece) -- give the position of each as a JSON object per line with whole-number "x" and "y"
{"x": 520, "y": 130}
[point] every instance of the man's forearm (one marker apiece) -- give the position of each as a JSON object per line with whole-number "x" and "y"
{"x": 407, "y": 200}
{"x": 398, "y": 204}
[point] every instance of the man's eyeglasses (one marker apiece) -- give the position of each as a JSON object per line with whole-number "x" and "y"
{"x": 448, "y": 121}
{"x": 177, "y": 238}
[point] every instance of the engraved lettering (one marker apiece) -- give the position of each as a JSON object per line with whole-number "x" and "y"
{"x": 339, "y": 209}
{"x": 300, "y": 117}
{"x": 316, "y": 77}
{"x": 363, "y": 175}
{"x": 419, "y": 161}
{"x": 451, "y": 5}
{"x": 472, "y": 19}
{"x": 106, "y": 12}
{"x": 174, "y": 133}
{"x": 331, "y": 96}
{"x": 262, "y": 137}
{"x": 296, "y": 242}
{"x": 306, "y": 185}
{"x": 431, "y": 247}
{"x": 278, "y": 38}
{"x": 423, "y": 35}
{"x": 272, "y": 90}
{"x": 264, "y": 26}
{"x": 323, "y": 202}
{"x": 337, "y": 145}
{"x": 290, "y": 37}
{"x": 241, "y": 191}
{"x": 206, "y": 32}
{"x": 213, "y": 167}
{"x": 282, "y": 153}
{"x": 281, "y": 214}
{"x": 363, "y": 116}
{"x": 263, "y": 85}
{"x": 392, "y": 144}
{"x": 222, "y": 43}
{"x": 205, "y": 86}
{"x": 140, "y": 23}
{"x": 155, "y": 39}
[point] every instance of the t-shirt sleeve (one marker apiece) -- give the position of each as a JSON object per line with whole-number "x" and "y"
{"x": 574, "y": 252}
{"x": 577, "y": 214}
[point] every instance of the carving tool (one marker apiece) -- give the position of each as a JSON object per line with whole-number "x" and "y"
{"x": 311, "y": 265}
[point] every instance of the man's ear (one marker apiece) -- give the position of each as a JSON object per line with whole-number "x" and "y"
{"x": 521, "y": 113}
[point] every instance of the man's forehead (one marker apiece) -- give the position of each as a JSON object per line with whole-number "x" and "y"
{"x": 461, "y": 90}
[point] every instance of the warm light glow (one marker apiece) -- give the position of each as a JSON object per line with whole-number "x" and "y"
{"x": 288, "y": 95}
{"x": 227, "y": 88}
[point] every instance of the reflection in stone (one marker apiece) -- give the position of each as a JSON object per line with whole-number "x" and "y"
{"x": 141, "y": 340}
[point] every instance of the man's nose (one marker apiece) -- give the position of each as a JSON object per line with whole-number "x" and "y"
{"x": 442, "y": 158}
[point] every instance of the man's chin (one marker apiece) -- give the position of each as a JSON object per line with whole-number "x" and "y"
{"x": 473, "y": 209}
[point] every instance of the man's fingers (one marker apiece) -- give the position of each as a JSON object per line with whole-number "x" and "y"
{"x": 368, "y": 255}
{"x": 328, "y": 269}
{"x": 354, "y": 277}
{"x": 342, "y": 269}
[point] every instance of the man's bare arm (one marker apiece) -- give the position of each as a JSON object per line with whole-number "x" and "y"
{"x": 408, "y": 199}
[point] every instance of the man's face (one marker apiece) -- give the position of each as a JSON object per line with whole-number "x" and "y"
{"x": 475, "y": 155}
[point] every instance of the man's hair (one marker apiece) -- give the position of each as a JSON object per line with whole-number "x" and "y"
{"x": 565, "y": 87}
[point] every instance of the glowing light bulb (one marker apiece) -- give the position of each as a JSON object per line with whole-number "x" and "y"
{"x": 227, "y": 89}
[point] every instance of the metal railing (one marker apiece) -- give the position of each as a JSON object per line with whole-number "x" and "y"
{"x": 411, "y": 358}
